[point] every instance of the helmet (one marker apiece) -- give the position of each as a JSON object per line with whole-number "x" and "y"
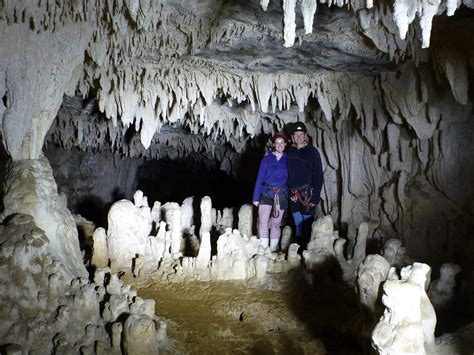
{"x": 299, "y": 126}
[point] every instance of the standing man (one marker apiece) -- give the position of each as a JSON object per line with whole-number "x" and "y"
{"x": 305, "y": 180}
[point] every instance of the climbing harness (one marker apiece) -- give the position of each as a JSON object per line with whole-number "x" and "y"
{"x": 304, "y": 199}
{"x": 276, "y": 202}
{"x": 275, "y": 190}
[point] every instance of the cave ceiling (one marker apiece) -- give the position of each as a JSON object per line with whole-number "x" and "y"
{"x": 211, "y": 75}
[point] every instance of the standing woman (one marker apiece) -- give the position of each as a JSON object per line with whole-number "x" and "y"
{"x": 270, "y": 193}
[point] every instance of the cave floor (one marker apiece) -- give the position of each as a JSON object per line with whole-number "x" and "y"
{"x": 230, "y": 317}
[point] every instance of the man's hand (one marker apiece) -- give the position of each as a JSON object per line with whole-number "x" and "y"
{"x": 256, "y": 203}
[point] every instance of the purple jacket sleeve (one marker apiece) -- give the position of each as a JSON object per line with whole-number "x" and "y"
{"x": 262, "y": 171}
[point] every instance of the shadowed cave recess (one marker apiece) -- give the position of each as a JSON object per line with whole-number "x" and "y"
{"x": 132, "y": 135}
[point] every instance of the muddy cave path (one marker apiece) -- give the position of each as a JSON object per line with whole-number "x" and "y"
{"x": 294, "y": 314}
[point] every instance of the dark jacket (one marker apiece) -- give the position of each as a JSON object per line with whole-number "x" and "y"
{"x": 305, "y": 169}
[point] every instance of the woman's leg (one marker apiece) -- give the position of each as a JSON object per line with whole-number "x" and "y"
{"x": 275, "y": 230}
{"x": 263, "y": 217}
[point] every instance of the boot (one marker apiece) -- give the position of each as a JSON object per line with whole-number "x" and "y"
{"x": 274, "y": 244}
{"x": 264, "y": 242}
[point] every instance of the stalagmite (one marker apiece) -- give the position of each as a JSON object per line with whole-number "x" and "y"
{"x": 226, "y": 219}
{"x": 395, "y": 253}
{"x": 30, "y": 188}
{"x": 400, "y": 329}
{"x": 129, "y": 227}
{"x": 187, "y": 215}
{"x": 294, "y": 259}
{"x": 206, "y": 219}
{"x": 140, "y": 335}
{"x": 285, "y": 240}
{"x": 350, "y": 265}
{"x": 176, "y": 236}
{"x": 420, "y": 274}
{"x": 320, "y": 250}
{"x": 441, "y": 291}
{"x": 245, "y": 224}
{"x": 372, "y": 272}
{"x": 235, "y": 257}
{"x": 204, "y": 255}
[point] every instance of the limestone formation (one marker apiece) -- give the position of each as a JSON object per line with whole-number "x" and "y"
{"x": 30, "y": 188}
{"x": 395, "y": 253}
{"x": 350, "y": 265}
{"x": 409, "y": 320}
{"x": 128, "y": 229}
{"x": 371, "y": 274}
{"x": 225, "y": 219}
{"x": 40, "y": 301}
{"x": 235, "y": 257}
{"x": 140, "y": 335}
{"x": 103, "y": 87}
{"x": 206, "y": 219}
{"x": 286, "y": 235}
{"x": 245, "y": 224}
{"x": 420, "y": 274}
{"x": 100, "y": 256}
{"x": 441, "y": 291}
{"x": 187, "y": 213}
{"x": 320, "y": 248}
{"x": 204, "y": 256}
{"x": 400, "y": 329}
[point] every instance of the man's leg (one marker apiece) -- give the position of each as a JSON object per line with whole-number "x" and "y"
{"x": 298, "y": 219}
{"x": 307, "y": 223}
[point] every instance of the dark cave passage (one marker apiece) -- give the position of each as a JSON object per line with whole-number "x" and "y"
{"x": 93, "y": 182}
{"x": 173, "y": 181}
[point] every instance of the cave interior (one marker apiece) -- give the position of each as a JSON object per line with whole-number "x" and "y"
{"x": 177, "y": 100}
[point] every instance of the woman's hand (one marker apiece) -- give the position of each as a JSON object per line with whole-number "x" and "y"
{"x": 256, "y": 203}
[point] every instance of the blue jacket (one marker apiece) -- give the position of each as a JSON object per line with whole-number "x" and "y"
{"x": 272, "y": 172}
{"x": 305, "y": 169}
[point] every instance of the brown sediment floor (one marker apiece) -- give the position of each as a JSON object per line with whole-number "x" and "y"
{"x": 230, "y": 317}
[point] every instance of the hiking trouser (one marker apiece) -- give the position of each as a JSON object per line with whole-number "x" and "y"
{"x": 264, "y": 217}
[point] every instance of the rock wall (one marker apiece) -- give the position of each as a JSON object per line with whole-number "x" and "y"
{"x": 403, "y": 168}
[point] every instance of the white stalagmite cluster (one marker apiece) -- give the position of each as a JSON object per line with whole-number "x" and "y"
{"x": 44, "y": 310}
{"x": 326, "y": 248}
{"x": 408, "y": 321}
{"x": 131, "y": 247}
